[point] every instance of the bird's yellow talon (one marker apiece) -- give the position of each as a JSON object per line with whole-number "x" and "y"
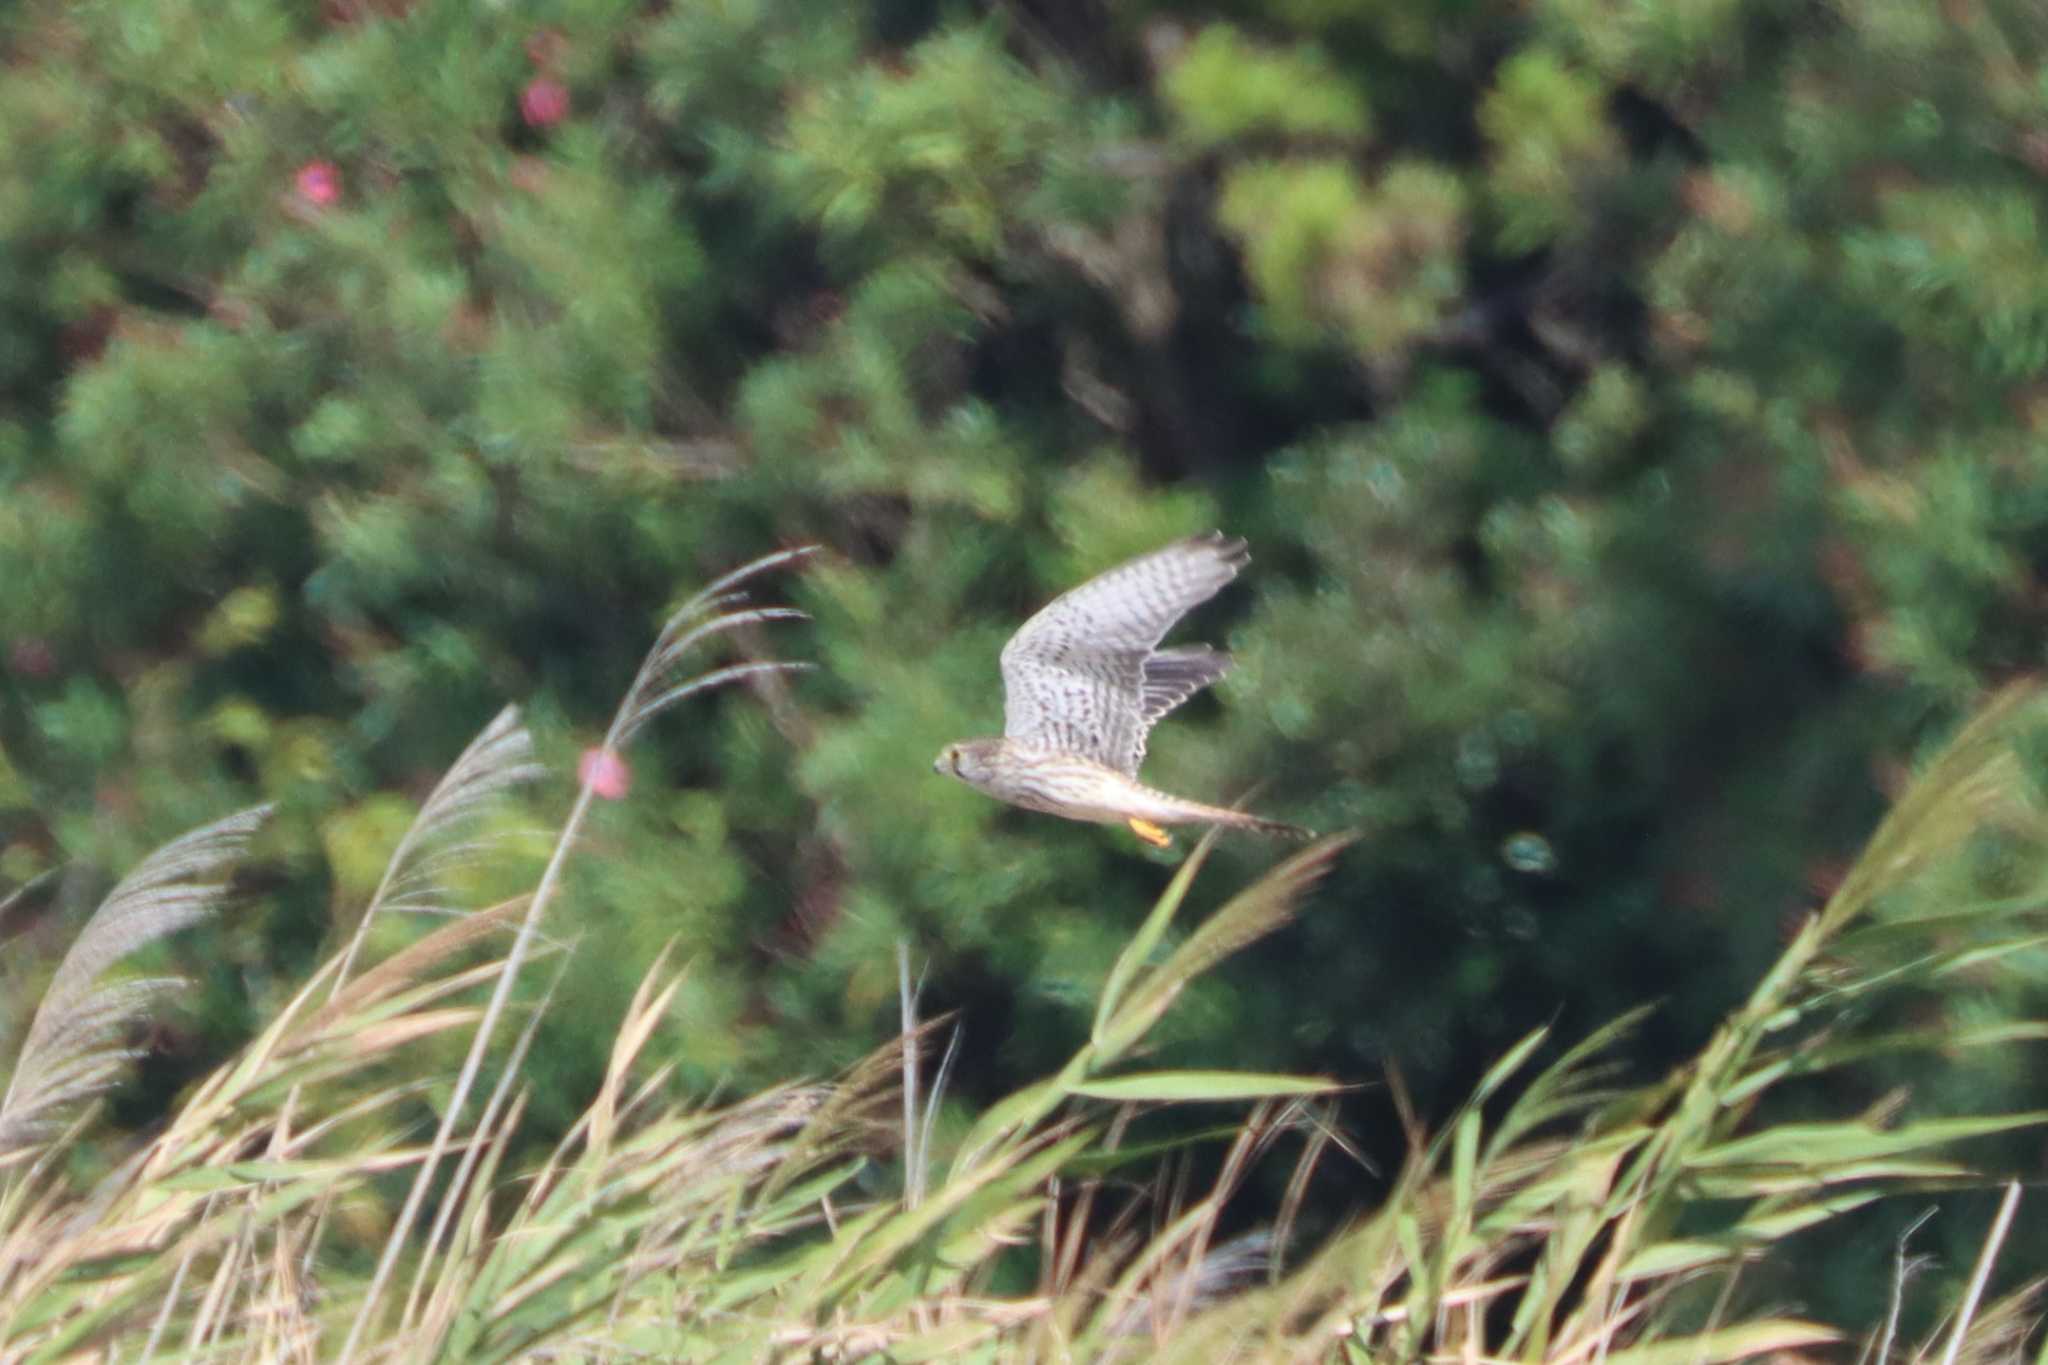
{"x": 1151, "y": 833}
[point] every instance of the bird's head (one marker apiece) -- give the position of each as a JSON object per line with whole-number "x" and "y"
{"x": 970, "y": 760}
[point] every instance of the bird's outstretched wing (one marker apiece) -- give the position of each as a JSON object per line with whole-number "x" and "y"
{"x": 1083, "y": 676}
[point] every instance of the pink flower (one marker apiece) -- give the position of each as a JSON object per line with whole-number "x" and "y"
{"x": 544, "y": 102}
{"x": 605, "y": 773}
{"x": 32, "y": 657}
{"x": 318, "y": 183}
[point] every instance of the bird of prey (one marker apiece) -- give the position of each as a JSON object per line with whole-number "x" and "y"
{"x": 1084, "y": 682}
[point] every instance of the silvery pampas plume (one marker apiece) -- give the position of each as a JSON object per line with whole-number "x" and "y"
{"x": 74, "y": 1047}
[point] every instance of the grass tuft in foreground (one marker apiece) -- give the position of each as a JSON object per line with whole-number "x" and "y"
{"x": 1556, "y": 1217}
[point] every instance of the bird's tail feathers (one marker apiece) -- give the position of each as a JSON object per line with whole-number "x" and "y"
{"x": 1278, "y": 829}
{"x": 1237, "y": 817}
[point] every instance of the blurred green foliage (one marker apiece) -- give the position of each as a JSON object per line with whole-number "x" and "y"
{"x": 1224, "y": 87}
{"x": 1636, "y": 412}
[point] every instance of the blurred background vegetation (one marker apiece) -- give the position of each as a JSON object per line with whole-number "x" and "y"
{"x": 1637, "y": 412}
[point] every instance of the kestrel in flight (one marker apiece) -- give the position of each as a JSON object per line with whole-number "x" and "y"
{"x": 1084, "y": 682}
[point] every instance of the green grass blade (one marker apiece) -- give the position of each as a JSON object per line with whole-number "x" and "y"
{"x": 1132, "y": 959}
{"x": 1202, "y": 1086}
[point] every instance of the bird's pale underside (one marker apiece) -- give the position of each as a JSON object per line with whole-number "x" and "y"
{"x": 1084, "y": 682}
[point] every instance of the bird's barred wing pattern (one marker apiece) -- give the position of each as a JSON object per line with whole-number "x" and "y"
{"x": 1174, "y": 675}
{"x": 1081, "y": 677}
